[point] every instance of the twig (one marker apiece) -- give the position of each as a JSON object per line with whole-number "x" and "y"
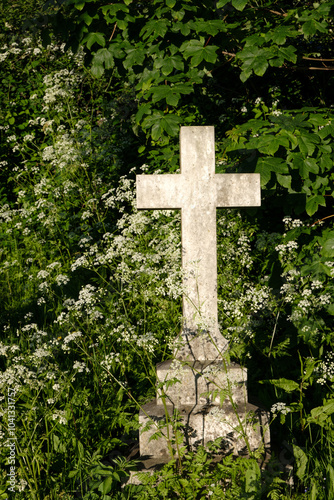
{"x": 284, "y": 14}
{"x": 326, "y": 68}
{"x": 305, "y": 68}
{"x": 317, "y": 59}
{"x": 113, "y": 32}
{"x": 228, "y": 53}
{"x": 320, "y": 220}
{"x": 273, "y": 335}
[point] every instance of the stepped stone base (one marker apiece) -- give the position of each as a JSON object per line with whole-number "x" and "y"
{"x": 202, "y": 394}
{"x": 204, "y": 423}
{"x": 202, "y": 382}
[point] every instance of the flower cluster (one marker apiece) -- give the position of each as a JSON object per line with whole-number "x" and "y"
{"x": 279, "y": 408}
{"x": 325, "y": 370}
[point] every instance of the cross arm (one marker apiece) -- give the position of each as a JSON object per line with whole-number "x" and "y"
{"x": 159, "y": 191}
{"x": 238, "y": 190}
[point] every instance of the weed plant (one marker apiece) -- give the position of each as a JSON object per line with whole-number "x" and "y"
{"x": 91, "y": 301}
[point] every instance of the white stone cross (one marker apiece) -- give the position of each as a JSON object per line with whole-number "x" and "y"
{"x": 198, "y": 191}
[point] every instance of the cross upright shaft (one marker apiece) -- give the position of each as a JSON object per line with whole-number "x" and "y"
{"x": 198, "y": 191}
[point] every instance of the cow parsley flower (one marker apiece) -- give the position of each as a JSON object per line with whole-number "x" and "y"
{"x": 62, "y": 279}
{"x": 60, "y": 416}
{"x": 80, "y": 367}
{"x": 279, "y": 408}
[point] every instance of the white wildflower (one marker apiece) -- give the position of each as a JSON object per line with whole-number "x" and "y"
{"x": 60, "y": 416}
{"x": 280, "y": 408}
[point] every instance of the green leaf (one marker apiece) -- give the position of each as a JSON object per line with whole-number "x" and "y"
{"x": 105, "y": 487}
{"x": 73, "y": 473}
{"x": 116, "y": 476}
{"x": 265, "y": 166}
{"x": 177, "y": 62}
{"x": 312, "y": 26}
{"x": 316, "y": 268}
{"x": 254, "y": 58}
{"x": 265, "y": 173}
{"x": 239, "y": 4}
{"x": 112, "y": 9}
{"x": 211, "y": 27}
{"x": 171, "y": 124}
{"x": 79, "y": 5}
{"x": 179, "y": 26}
{"x": 171, "y": 93}
{"x": 301, "y": 461}
{"x": 252, "y": 479}
{"x": 86, "y": 18}
{"x": 134, "y": 57}
{"x": 326, "y": 163}
{"x": 116, "y": 50}
{"x": 322, "y": 411}
{"x": 145, "y": 109}
{"x": 284, "y": 180}
{"x": 102, "y": 60}
{"x": 103, "y": 57}
{"x": 97, "y": 70}
{"x": 260, "y": 65}
{"x": 306, "y": 166}
{"x": 324, "y": 148}
{"x": 277, "y": 62}
{"x": 160, "y": 123}
{"x": 196, "y": 50}
{"x": 283, "y": 383}
{"x": 254, "y": 41}
{"x": 326, "y": 131}
{"x": 154, "y": 28}
{"x": 160, "y": 92}
{"x": 167, "y": 66}
{"x": 245, "y": 74}
{"x": 307, "y": 142}
{"x": 330, "y": 480}
{"x": 318, "y": 120}
{"x": 319, "y": 183}
{"x": 313, "y": 202}
{"x": 92, "y": 38}
{"x": 328, "y": 248}
{"x": 173, "y": 99}
{"x": 103, "y": 470}
{"x": 222, "y": 3}
{"x": 288, "y": 53}
{"x": 268, "y": 144}
{"x": 280, "y": 34}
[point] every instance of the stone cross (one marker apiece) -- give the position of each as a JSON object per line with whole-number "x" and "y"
{"x": 198, "y": 191}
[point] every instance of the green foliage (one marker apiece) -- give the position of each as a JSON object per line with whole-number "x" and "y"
{"x": 292, "y": 151}
{"x": 168, "y": 49}
{"x": 90, "y": 288}
{"x": 200, "y": 477}
{"x": 15, "y": 15}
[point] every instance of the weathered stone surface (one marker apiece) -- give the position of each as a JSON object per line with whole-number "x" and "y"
{"x": 204, "y": 423}
{"x": 198, "y": 191}
{"x": 197, "y": 379}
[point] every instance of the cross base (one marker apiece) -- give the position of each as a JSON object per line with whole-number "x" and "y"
{"x": 206, "y": 414}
